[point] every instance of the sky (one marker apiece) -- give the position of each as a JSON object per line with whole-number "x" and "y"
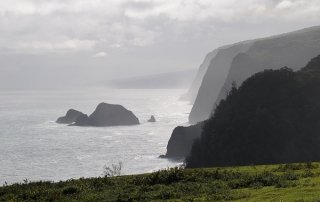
{"x": 67, "y": 43}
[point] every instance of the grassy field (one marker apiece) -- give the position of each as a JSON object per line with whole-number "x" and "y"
{"x": 287, "y": 182}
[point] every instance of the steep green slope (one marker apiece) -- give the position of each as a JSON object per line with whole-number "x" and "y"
{"x": 273, "y": 117}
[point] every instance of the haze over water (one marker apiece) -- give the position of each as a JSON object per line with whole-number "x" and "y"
{"x": 97, "y": 41}
{"x": 34, "y": 147}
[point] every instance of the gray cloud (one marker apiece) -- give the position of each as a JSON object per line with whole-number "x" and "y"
{"x": 144, "y": 36}
{"x": 101, "y": 54}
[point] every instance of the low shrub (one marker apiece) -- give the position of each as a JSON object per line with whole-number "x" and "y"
{"x": 70, "y": 190}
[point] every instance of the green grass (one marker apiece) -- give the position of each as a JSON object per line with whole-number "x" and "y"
{"x": 290, "y": 182}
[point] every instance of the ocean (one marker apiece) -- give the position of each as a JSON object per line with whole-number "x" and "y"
{"x": 34, "y": 147}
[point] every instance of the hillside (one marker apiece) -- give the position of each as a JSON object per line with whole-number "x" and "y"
{"x": 293, "y": 50}
{"x": 290, "y": 182}
{"x": 170, "y": 80}
{"x": 273, "y": 117}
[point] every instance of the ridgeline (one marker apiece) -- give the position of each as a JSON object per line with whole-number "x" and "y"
{"x": 273, "y": 117}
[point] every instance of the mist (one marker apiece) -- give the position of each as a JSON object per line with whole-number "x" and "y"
{"x": 67, "y": 44}
{"x": 158, "y": 85}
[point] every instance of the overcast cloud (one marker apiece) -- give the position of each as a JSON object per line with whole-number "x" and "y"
{"x": 63, "y": 43}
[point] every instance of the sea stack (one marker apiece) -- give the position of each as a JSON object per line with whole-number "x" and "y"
{"x": 152, "y": 119}
{"x": 108, "y": 115}
{"x": 82, "y": 120}
{"x": 70, "y": 117}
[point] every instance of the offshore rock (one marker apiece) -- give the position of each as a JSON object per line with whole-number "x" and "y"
{"x": 70, "y": 117}
{"x": 82, "y": 120}
{"x": 152, "y": 119}
{"x": 108, "y": 115}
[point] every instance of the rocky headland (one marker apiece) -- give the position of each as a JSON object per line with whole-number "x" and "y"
{"x": 239, "y": 61}
{"x": 272, "y": 118}
{"x": 181, "y": 140}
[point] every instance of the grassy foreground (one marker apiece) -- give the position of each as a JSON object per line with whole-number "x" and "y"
{"x": 287, "y": 182}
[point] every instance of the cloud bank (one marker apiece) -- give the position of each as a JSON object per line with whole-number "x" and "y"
{"x": 148, "y": 36}
{"x": 81, "y": 24}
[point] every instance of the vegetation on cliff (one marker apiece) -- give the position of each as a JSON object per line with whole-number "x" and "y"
{"x": 238, "y": 62}
{"x": 273, "y": 117}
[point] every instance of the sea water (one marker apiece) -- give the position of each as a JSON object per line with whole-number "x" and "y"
{"x": 34, "y": 147}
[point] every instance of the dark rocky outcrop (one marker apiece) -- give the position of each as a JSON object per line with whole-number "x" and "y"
{"x": 152, "y": 119}
{"x": 70, "y": 117}
{"x": 238, "y": 62}
{"x": 181, "y": 140}
{"x": 108, "y": 115}
{"x": 82, "y": 120}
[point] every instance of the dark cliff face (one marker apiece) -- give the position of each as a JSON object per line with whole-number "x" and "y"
{"x": 293, "y": 51}
{"x": 273, "y": 117}
{"x": 194, "y": 88}
{"x": 213, "y": 81}
{"x": 181, "y": 140}
{"x": 108, "y": 115}
{"x": 70, "y": 117}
